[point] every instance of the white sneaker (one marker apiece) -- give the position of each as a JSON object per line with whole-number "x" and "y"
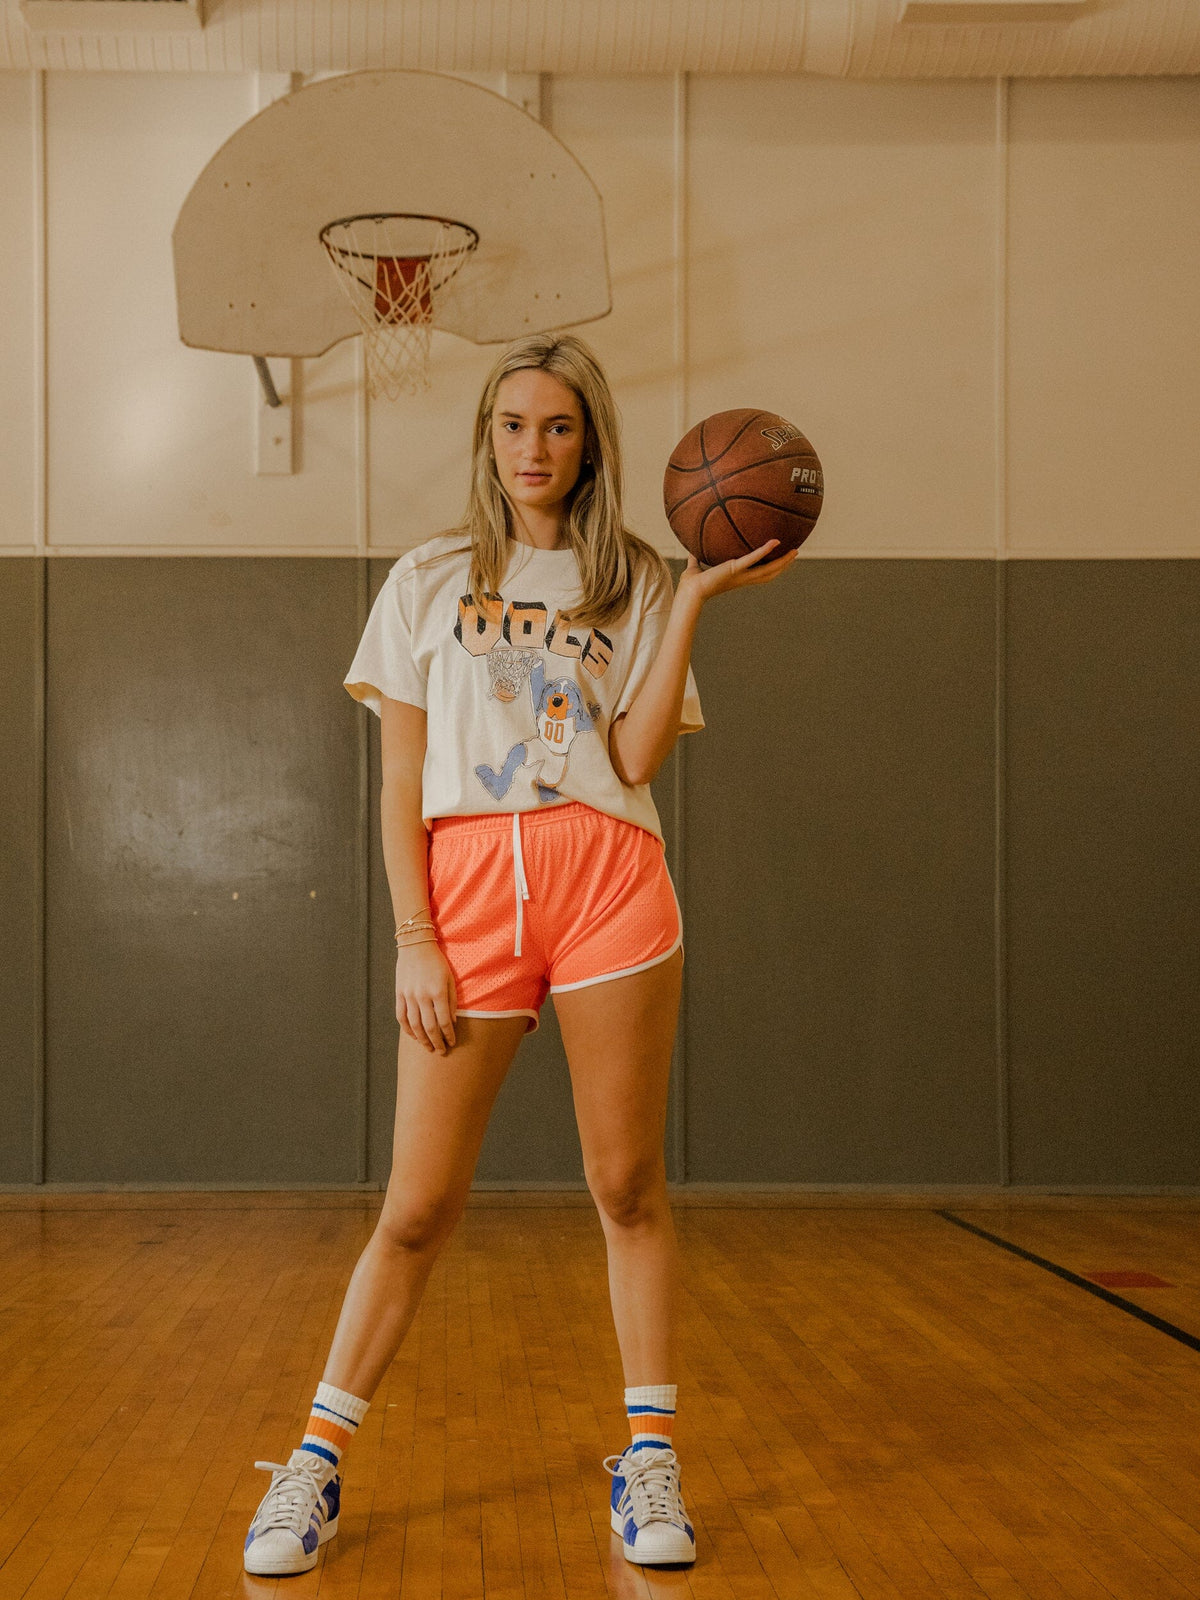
{"x": 298, "y": 1513}
{"x": 647, "y": 1507}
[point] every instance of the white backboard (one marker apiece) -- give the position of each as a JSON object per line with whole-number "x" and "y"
{"x": 251, "y": 274}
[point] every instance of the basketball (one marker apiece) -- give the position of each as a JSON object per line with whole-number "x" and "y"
{"x": 739, "y": 479}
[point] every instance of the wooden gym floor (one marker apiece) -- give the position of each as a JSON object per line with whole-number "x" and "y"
{"x": 874, "y": 1400}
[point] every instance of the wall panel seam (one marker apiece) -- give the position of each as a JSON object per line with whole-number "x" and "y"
{"x": 679, "y": 826}
{"x": 362, "y": 454}
{"x": 1000, "y": 876}
{"x": 41, "y": 317}
{"x": 679, "y": 247}
{"x": 38, "y": 708}
{"x": 1000, "y": 649}
{"x": 362, "y": 893}
{"x": 1000, "y": 354}
{"x": 679, "y": 285}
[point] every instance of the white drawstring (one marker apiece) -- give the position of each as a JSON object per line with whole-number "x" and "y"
{"x": 522, "y": 887}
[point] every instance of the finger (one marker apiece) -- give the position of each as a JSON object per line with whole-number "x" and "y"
{"x": 429, "y": 1018}
{"x": 753, "y": 556}
{"x": 402, "y": 1013}
{"x": 416, "y": 1026}
{"x": 774, "y": 568}
{"x": 751, "y": 568}
{"x": 444, "y": 1022}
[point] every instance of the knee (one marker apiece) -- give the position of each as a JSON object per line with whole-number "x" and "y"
{"x": 414, "y": 1226}
{"x": 630, "y": 1194}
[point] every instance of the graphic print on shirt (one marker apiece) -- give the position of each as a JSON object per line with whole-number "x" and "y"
{"x": 512, "y": 640}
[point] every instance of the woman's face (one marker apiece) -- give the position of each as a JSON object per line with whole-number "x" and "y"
{"x": 537, "y": 437}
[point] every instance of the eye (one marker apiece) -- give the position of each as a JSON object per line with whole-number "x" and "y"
{"x": 509, "y": 426}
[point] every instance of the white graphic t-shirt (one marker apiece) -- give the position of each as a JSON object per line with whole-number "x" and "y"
{"x": 518, "y": 702}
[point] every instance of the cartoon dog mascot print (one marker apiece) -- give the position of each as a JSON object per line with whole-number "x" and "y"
{"x": 560, "y": 716}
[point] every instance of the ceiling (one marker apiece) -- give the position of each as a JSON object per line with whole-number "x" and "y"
{"x": 840, "y": 38}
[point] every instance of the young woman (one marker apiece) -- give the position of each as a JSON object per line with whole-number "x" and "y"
{"x": 531, "y": 673}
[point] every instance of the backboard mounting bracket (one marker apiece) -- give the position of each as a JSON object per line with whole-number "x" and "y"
{"x": 270, "y": 392}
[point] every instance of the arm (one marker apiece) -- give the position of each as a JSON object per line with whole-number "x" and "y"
{"x": 405, "y": 837}
{"x": 642, "y": 738}
{"x": 426, "y": 998}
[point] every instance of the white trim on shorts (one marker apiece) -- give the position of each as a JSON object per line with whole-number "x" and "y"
{"x": 537, "y": 1021}
{"x": 584, "y": 983}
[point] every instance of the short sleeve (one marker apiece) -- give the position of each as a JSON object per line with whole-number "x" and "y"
{"x": 652, "y": 626}
{"x": 383, "y": 663}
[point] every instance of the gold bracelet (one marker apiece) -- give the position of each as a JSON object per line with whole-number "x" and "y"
{"x": 414, "y": 918}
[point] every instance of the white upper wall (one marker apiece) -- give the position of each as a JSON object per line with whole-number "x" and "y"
{"x": 1104, "y": 318}
{"x": 841, "y": 272}
{"x": 20, "y": 326}
{"x": 977, "y": 299}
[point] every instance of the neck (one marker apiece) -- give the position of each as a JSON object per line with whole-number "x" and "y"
{"x": 540, "y": 526}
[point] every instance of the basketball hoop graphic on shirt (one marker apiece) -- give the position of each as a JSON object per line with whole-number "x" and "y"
{"x": 509, "y": 670}
{"x": 560, "y": 715}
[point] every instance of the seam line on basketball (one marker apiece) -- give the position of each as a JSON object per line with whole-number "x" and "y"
{"x": 753, "y": 500}
{"x": 720, "y": 502}
{"x": 737, "y": 532}
{"x": 725, "y": 451}
{"x": 757, "y": 466}
{"x": 729, "y": 477}
{"x": 692, "y": 493}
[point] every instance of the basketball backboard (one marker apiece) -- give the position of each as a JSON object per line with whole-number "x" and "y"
{"x": 252, "y": 275}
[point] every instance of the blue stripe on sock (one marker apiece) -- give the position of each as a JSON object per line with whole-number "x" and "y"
{"x": 330, "y": 1412}
{"x": 319, "y": 1450}
{"x": 658, "y": 1411}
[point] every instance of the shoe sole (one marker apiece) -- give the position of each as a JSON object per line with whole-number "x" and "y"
{"x": 654, "y": 1561}
{"x": 264, "y": 1570}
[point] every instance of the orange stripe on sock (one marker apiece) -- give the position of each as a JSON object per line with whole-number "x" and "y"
{"x": 320, "y": 1427}
{"x": 647, "y": 1422}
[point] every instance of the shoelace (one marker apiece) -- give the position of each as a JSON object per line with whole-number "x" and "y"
{"x": 652, "y": 1478}
{"x": 289, "y": 1501}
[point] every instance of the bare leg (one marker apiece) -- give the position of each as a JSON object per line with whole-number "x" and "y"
{"x": 618, "y": 1037}
{"x": 442, "y": 1108}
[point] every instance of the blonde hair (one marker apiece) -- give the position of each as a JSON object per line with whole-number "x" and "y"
{"x": 609, "y": 554}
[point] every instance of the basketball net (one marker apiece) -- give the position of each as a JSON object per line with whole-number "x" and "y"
{"x": 509, "y": 669}
{"x": 392, "y": 269}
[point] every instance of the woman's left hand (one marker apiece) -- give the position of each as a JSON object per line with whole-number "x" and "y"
{"x": 702, "y": 583}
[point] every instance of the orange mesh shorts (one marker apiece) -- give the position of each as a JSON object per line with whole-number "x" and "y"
{"x": 528, "y": 903}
